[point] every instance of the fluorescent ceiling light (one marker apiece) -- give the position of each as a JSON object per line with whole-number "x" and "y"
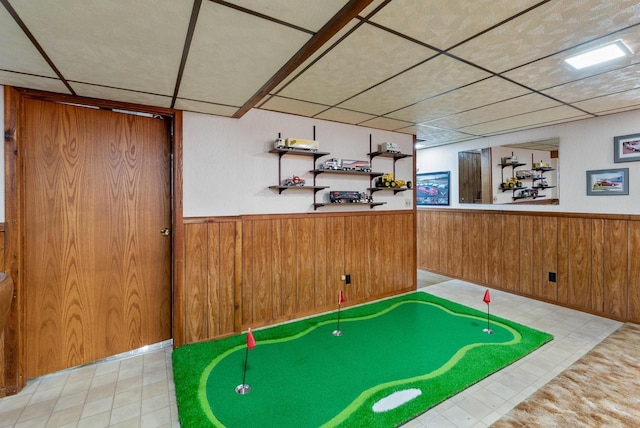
{"x": 599, "y": 55}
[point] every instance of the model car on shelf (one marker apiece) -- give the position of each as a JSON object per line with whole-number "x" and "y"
{"x": 356, "y": 165}
{"x": 296, "y": 144}
{"x": 541, "y": 165}
{"x": 331, "y": 164}
{"x": 346, "y": 165}
{"x": 388, "y": 180}
{"x": 294, "y": 181}
{"x": 526, "y": 193}
{"x": 349, "y": 197}
{"x": 511, "y": 183}
{"x": 389, "y": 147}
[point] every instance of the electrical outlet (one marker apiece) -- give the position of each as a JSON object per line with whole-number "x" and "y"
{"x": 552, "y": 277}
{"x": 407, "y": 203}
{"x": 343, "y": 277}
{"x": 347, "y": 279}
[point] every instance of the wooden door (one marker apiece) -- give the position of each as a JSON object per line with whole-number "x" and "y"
{"x": 470, "y": 177}
{"x": 97, "y": 270}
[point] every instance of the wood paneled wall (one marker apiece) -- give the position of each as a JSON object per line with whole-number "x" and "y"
{"x": 595, "y": 257}
{"x": 252, "y": 271}
{"x": 3, "y": 382}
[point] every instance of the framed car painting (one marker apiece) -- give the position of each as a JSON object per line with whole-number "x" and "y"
{"x": 432, "y": 188}
{"x": 608, "y": 182}
{"x": 626, "y": 148}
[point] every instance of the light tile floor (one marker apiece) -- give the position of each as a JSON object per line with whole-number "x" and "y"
{"x": 132, "y": 390}
{"x": 575, "y": 333}
{"x": 137, "y": 390}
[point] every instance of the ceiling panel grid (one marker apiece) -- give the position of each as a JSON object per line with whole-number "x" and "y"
{"x": 444, "y": 70}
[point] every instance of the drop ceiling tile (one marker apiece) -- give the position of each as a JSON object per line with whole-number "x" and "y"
{"x": 208, "y": 108}
{"x": 527, "y": 120}
{"x": 515, "y": 106}
{"x": 430, "y": 135}
{"x": 553, "y": 122}
{"x": 603, "y": 84}
{"x": 344, "y": 116}
{"x": 133, "y": 45}
{"x": 115, "y": 94}
{"x": 367, "y": 57}
{"x": 436, "y": 76}
{"x": 478, "y": 94}
{"x": 233, "y": 54}
{"x": 343, "y": 31}
{"x": 385, "y": 123}
{"x": 308, "y": 14}
{"x": 17, "y": 53}
{"x": 611, "y": 103}
{"x": 287, "y": 105}
{"x": 621, "y": 109}
{"x": 553, "y": 71}
{"x": 438, "y": 18}
{"x": 372, "y": 6}
{"x": 546, "y": 30}
{"x": 20, "y": 80}
{"x": 411, "y": 130}
{"x": 549, "y": 145}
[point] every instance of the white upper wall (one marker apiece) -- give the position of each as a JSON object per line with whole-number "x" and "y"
{"x": 584, "y": 145}
{"x": 227, "y": 167}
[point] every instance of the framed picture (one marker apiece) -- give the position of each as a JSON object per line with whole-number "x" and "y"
{"x": 432, "y": 188}
{"x": 626, "y": 148}
{"x": 608, "y": 182}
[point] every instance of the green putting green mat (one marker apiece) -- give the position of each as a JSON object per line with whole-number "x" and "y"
{"x": 395, "y": 359}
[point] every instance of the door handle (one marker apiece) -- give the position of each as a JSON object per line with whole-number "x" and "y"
{"x": 165, "y": 231}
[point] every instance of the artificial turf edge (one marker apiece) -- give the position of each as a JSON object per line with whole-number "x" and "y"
{"x": 189, "y": 361}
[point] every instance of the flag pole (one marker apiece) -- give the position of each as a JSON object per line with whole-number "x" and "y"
{"x": 337, "y": 331}
{"x": 487, "y": 300}
{"x": 488, "y": 329}
{"x": 243, "y": 388}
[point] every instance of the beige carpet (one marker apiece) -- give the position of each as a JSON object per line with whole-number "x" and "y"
{"x": 602, "y": 389}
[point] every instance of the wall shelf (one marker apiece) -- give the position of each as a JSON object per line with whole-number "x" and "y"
{"x": 396, "y": 190}
{"x": 281, "y": 189}
{"x": 395, "y": 156}
{"x": 511, "y": 164}
{"x": 515, "y": 198}
{"x": 340, "y": 171}
{"x": 282, "y": 152}
{"x": 509, "y": 189}
{"x": 390, "y": 155}
{"x": 370, "y": 204}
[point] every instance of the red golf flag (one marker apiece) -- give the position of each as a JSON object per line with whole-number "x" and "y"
{"x": 341, "y": 298}
{"x": 251, "y": 341}
{"x": 487, "y": 297}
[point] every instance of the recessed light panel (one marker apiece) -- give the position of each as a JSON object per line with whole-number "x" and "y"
{"x": 599, "y": 55}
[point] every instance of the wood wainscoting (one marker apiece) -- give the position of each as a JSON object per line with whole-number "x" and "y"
{"x": 596, "y": 257}
{"x": 3, "y": 380}
{"x": 257, "y": 270}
